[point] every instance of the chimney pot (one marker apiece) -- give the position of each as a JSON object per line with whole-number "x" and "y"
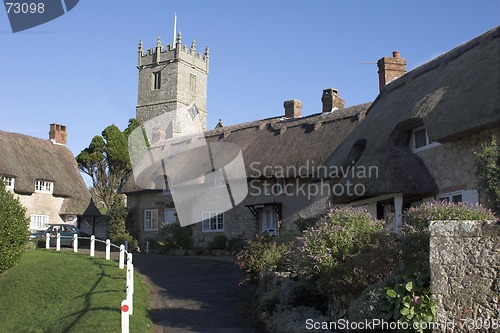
{"x": 58, "y": 134}
{"x": 331, "y": 100}
{"x": 396, "y": 54}
{"x": 293, "y": 108}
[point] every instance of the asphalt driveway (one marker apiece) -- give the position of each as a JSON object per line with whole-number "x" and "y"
{"x": 196, "y": 294}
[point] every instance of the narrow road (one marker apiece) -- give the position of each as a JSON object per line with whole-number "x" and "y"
{"x": 196, "y": 294}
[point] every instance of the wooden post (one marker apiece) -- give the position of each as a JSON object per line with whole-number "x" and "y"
{"x": 75, "y": 243}
{"x": 58, "y": 242}
{"x": 47, "y": 241}
{"x": 108, "y": 249}
{"x": 92, "y": 245}
{"x": 125, "y": 316}
{"x": 121, "y": 262}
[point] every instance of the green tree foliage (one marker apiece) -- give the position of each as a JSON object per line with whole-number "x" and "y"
{"x": 117, "y": 219}
{"x": 14, "y": 231}
{"x": 488, "y": 174}
{"x": 106, "y": 160}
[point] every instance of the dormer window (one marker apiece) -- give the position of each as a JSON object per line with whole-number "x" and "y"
{"x": 420, "y": 140}
{"x": 9, "y": 182}
{"x": 44, "y": 186}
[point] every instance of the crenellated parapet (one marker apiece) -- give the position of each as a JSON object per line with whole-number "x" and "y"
{"x": 170, "y": 53}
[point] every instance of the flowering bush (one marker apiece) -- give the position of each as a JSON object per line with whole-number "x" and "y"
{"x": 325, "y": 245}
{"x": 418, "y": 218}
{"x": 262, "y": 254}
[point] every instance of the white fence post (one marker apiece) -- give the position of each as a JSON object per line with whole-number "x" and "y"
{"x": 130, "y": 283}
{"x": 108, "y": 249}
{"x": 125, "y": 316}
{"x": 47, "y": 241}
{"x": 75, "y": 243}
{"x": 121, "y": 262}
{"x": 126, "y": 245}
{"x": 58, "y": 242}
{"x": 92, "y": 245}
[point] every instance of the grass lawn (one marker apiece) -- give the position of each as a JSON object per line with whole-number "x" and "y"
{"x": 54, "y": 292}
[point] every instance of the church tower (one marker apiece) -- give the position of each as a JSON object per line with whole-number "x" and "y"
{"x": 171, "y": 78}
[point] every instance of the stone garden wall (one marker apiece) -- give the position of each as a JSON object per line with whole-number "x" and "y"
{"x": 465, "y": 271}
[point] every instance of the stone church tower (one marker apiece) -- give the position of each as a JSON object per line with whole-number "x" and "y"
{"x": 171, "y": 78}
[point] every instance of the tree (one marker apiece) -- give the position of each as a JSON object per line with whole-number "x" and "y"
{"x": 14, "y": 231}
{"x": 488, "y": 174}
{"x": 106, "y": 160}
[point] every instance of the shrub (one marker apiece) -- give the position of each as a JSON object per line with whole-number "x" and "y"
{"x": 375, "y": 261}
{"x": 411, "y": 301}
{"x": 415, "y": 241}
{"x": 14, "y": 231}
{"x": 236, "y": 244}
{"x": 337, "y": 235}
{"x": 304, "y": 223}
{"x": 262, "y": 254}
{"x": 219, "y": 242}
{"x": 488, "y": 173}
{"x": 120, "y": 239}
{"x": 173, "y": 236}
{"x": 117, "y": 215}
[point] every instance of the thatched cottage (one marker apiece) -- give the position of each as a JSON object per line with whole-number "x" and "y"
{"x": 44, "y": 175}
{"x": 415, "y": 142}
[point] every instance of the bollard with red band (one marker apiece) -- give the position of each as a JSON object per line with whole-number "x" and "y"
{"x": 125, "y": 316}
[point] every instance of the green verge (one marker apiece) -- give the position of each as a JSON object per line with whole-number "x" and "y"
{"x": 54, "y": 292}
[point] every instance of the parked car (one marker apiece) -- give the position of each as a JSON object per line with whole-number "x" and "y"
{"x": 66, "y": 230}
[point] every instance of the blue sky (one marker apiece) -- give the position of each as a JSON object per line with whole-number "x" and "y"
{"x": 80, "y": 69}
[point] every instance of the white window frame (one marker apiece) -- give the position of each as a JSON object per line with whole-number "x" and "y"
{"x": 450, "y": 195}
{"x": 268, "y": 220}
{"x": 165, "y": 216}
{"x": 428, "y": 142}
{"x": 151, "y": 220}
{"x": 212, "y": 221}
{"x": 39, "y": 221}
{"x": 470, "y": 197}
{"x": 219, "y": 180}
{"x": 9, "y": 181}
{"x": 44, "y": 186}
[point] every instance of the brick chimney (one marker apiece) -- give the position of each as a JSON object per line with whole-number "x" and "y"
{"x": 390, "y": 69}
{"x": 331, "y": 100}
{"x": 293, "y": 108}
{"x": 58, "y": 134}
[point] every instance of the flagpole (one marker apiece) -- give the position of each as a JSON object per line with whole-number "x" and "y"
{"x": 175, "y": 30}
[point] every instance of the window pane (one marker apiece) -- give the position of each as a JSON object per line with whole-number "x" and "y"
{"x": 420, "y": 138}
{"x": 456, "y": 198}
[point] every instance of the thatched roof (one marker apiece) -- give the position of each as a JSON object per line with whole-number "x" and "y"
{"x": 29, "y": 159}
{"x": 276, "y": 143}
{"x": 454, "y": 95}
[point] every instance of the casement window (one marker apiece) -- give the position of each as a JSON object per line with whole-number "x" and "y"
{"x": 169, "y": 216}
{"x": 156, "y": 80}
{"x": 268, "y": 221}
{"x": 44, "y": 186}
{"x": 39, "y": 222}
{"x": 151, "y": 220}
{"x": 9, "y": 181}
{"x": 470, "y": 197}
{"x": 420, "y": 140}
{"x": 212, "y": 221}
{"x": 219, "y": 180}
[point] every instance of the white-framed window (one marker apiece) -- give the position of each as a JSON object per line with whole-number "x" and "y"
{"x": 39, "y": 222}
{"x": 156, "y": 80}
{"x": 219, "y": 180}
{"x": 268, "y": 221}
{"x": 9, "y": 181}
{"x": 150, "y": 219}
{"x": 420, "y": 140}
{"x": 44, "y": 186}
{"x": 470, "y": 197}
{"x": 212, "y": 221}
{"x": 169, "y": 216}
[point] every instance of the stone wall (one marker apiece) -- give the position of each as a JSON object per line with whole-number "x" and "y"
{"x": 465, "y": 269}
